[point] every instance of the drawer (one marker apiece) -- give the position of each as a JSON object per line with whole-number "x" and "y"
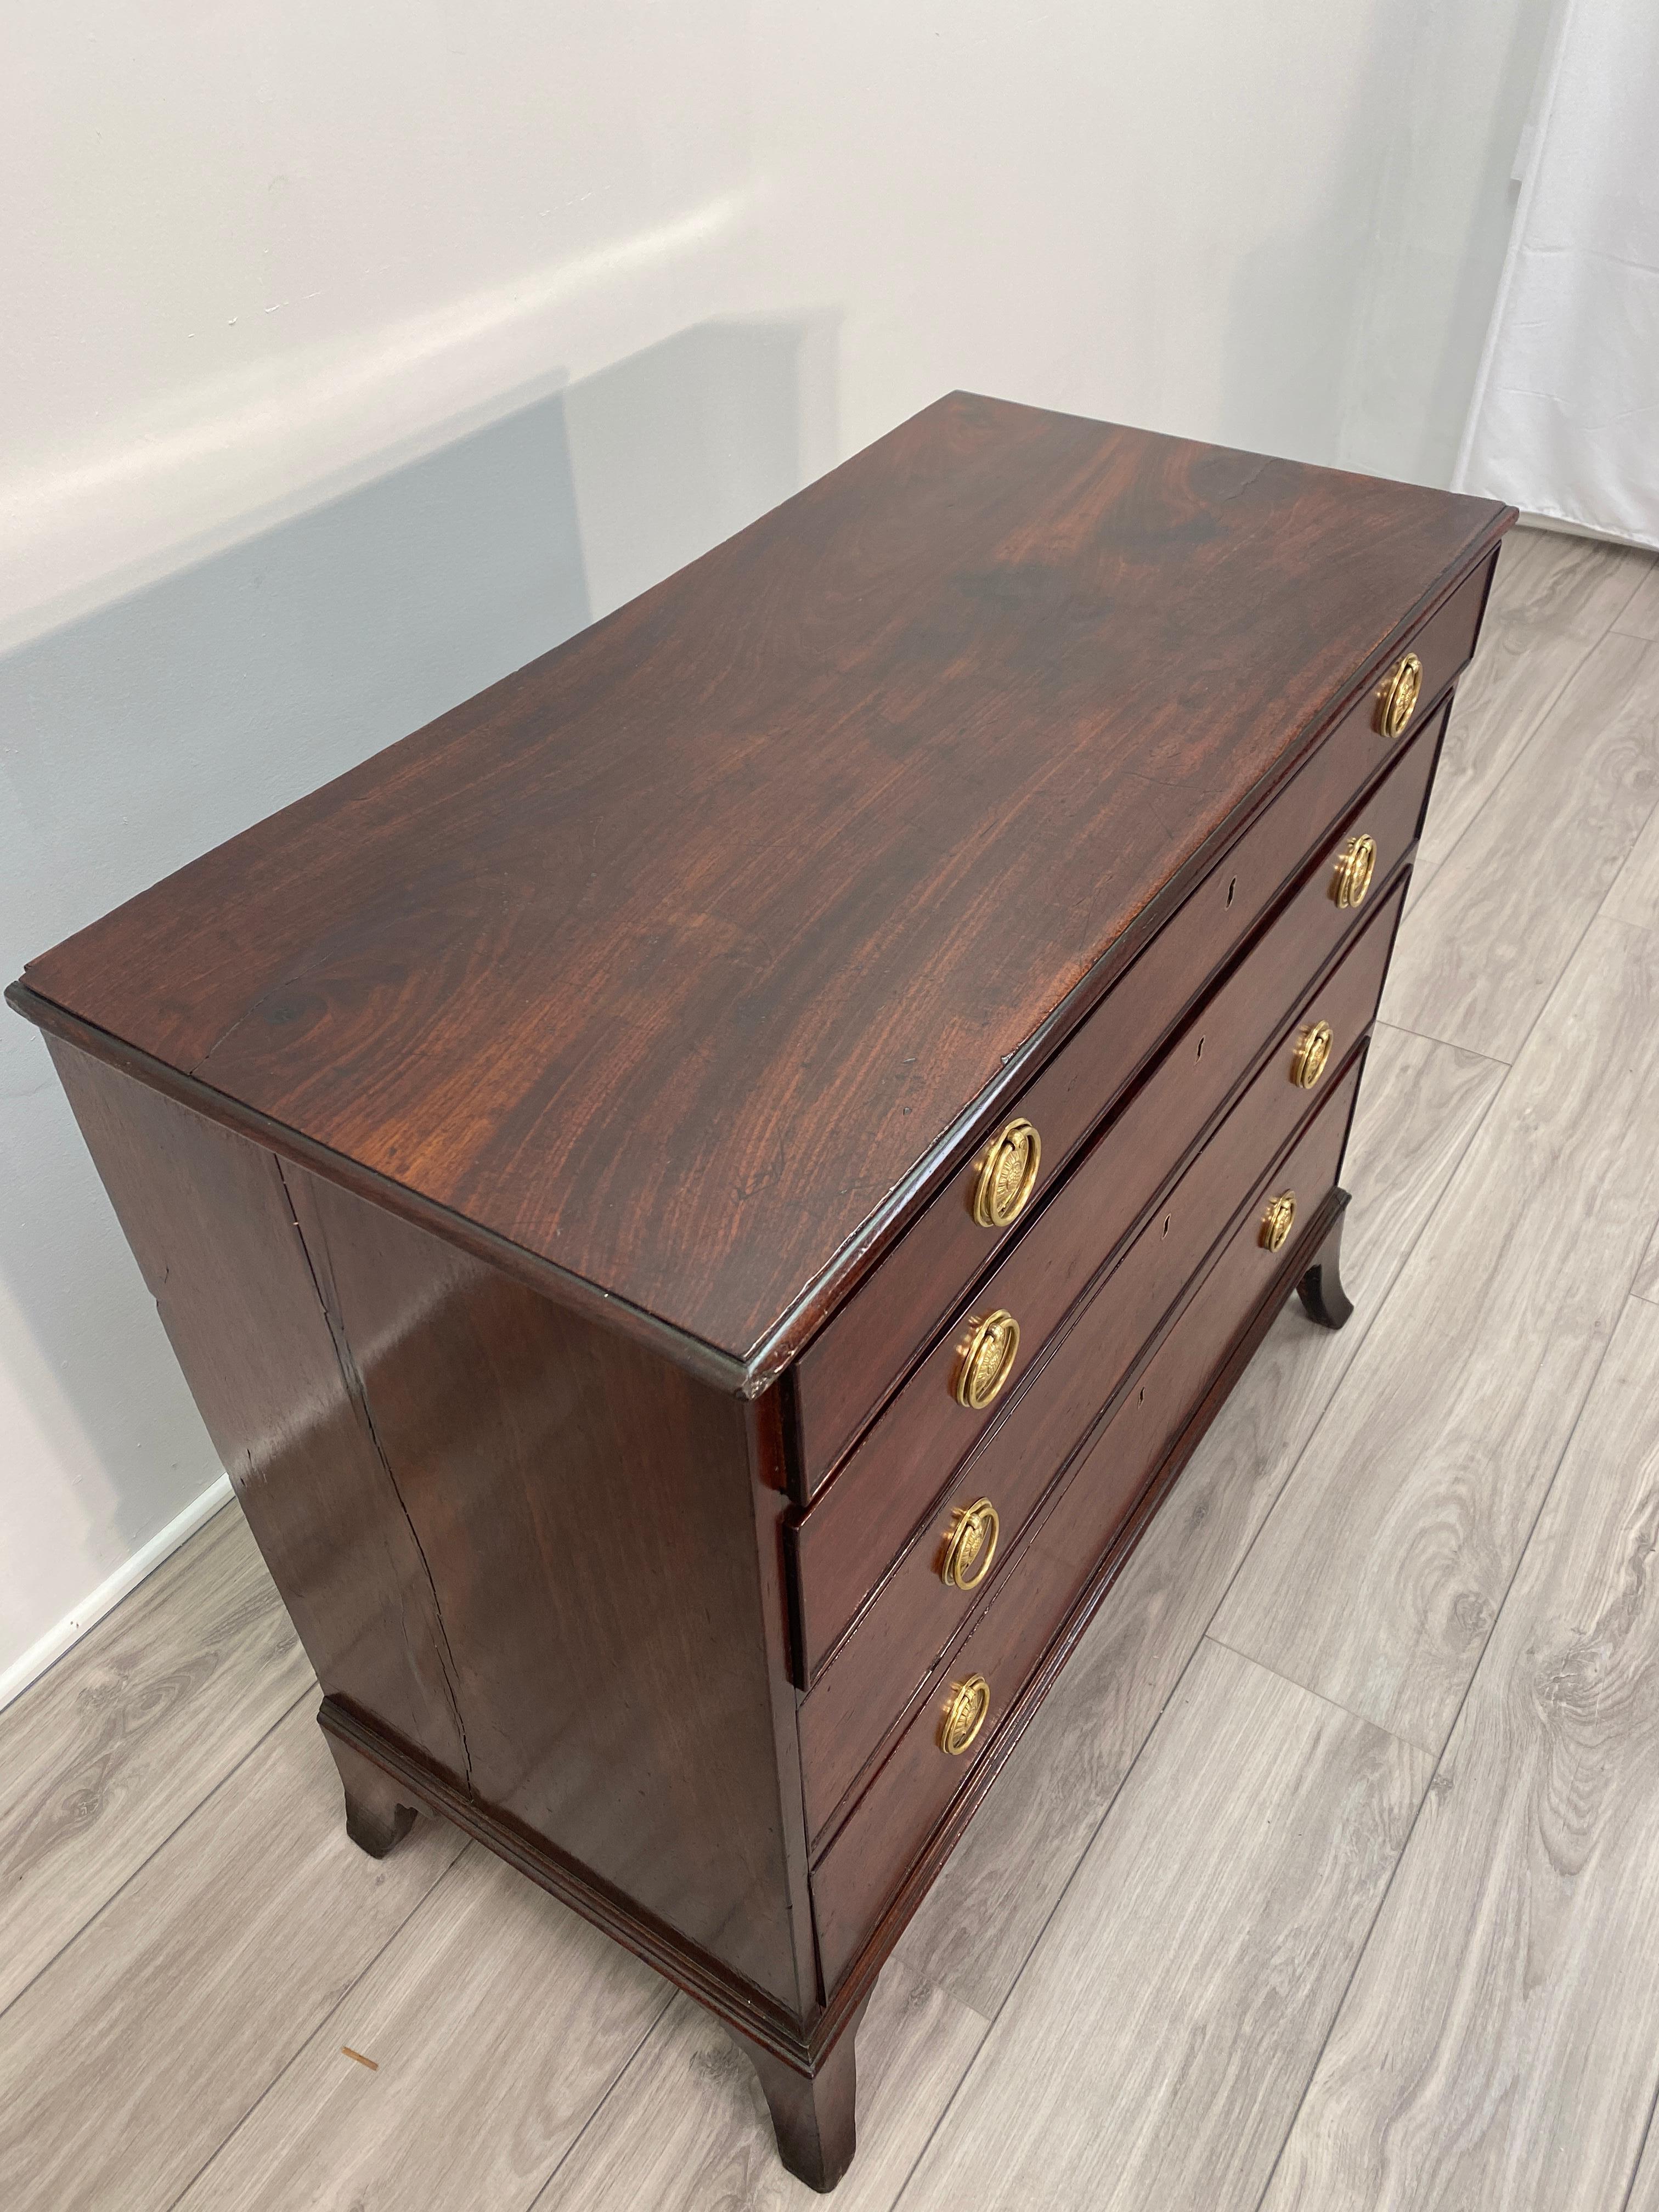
{"x": 852, "y": 1530}
{"x": 914, "y": 1611}
{"x": 852, "y": 1364}
{"x": 886, "y": 1832}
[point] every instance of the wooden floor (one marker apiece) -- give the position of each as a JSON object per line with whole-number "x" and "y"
{"x": 1327, "y": 1877}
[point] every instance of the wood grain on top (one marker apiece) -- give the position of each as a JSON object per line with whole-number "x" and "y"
{"x": 680, "y": 957}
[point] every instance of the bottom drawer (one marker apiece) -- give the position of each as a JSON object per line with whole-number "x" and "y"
{"x": 912, "y": 1792}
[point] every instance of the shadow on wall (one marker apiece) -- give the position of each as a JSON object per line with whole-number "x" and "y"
{"x": 149, "y": 731}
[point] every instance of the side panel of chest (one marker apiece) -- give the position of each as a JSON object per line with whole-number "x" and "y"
{"x": 527, "y": 1551}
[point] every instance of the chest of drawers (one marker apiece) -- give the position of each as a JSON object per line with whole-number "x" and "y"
{"x": 705, "y": 1197}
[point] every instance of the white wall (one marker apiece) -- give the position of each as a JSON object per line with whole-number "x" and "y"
{"x": 355, "y": 354}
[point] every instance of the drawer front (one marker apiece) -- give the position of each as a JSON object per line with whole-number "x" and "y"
{"x": 914, "y": 1614}
{"x": 852, "y": 1532}
{"x": 870, "y": 1856}
{"x": 852, "y": 1364}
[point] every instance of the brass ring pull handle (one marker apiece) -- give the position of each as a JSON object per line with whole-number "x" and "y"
{"x": 1008, "y": 1174}
{"x": 1313, "y": 1050}
{"x": 1277, "y": 1221}
{"x": 985, "y": 1359}
{"x": 1355, "y": 865}
{"x": 964, "y": 1716}
{"x": 971, "y": 1545}
{"x": 1397, "y": 695}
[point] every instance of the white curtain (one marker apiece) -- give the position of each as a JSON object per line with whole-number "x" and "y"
{"x": 1565, "y": 417}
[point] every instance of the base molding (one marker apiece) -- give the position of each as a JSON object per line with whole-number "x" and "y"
{"x": 748, "y": 2011}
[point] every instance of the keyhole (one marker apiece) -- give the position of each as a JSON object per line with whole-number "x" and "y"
{"x": 1143, "y": 1398}
{"x": 1166, "y": 1223}
{"x": 1199, "y": 1054}
{"x": 1232, "y": 885}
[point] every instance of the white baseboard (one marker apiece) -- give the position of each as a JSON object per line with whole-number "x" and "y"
{"x": 110, "y": 1592}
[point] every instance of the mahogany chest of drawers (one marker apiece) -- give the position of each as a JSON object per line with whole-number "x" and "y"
{"x": 706, "y": 1196}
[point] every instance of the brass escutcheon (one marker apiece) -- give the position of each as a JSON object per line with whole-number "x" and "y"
{"x": 971, "y": 1545}
{"x": 1396, "y": 697}
{"x": 1352, "y": 875}
{"x": 1313, "y": 1049}
{"x": 964, "y": 1716}
{"x": 1277, "y": 1220}
{"x": 1007, "y": 1173}
{"x": 984, "y": 1357}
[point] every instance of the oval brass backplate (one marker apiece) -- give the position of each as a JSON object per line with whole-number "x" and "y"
{"x": 1277, "y": 1221}
{"x": 1397, "y": 695}
{"x": 971, "y": 1545}
{"x": 985, "y": 1359}
{"x": 1355, "y": 865}
{"x": 964, "y": 1716}
{"x": 1313, "y": 1050}
{"x": 1008, "y": 1174}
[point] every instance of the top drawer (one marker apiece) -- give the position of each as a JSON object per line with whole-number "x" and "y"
{"x": 852, "y": 1365}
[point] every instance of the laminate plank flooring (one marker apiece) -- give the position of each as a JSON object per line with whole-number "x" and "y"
{"x": 1512, "y": 1979}
{"x": 126, "y": 2064}
{"x": 1419, "y": 1107}
{"x": 1578, "y": 585}
{"x": 1639, "y": 615}
{"x": 1186, "y": 1954}
{"x": 1553, "y": 598}
{"x": 490, "y": 1998}
{"x": 1482, "y": 949}
{"x": 105, "y": 1755}
{"x": 1634, "y": 894}
{"x": 1378, "y": 1575}
{"x": 1230, "y": 1891}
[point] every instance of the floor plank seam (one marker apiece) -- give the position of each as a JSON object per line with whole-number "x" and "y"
{"x": 949, "y": 2105}
{"x": 1451, "y": 1044}
{"x": 1439, "y": 1760}
{"x": 1037, "y": 1941}
{"x": 1641, "y": 2152}
{"x": 306, "y": 2041}
{"x": 1323, "y": 1697}
{"x": 1370, "y": 1322}
{"x": 1643, "y": 575}
{"x": 1651, "y": 817}
{"x": 611, "y": 2088}
{"x": 1629, "y": 601}
{"x": 1424, "y": 879}
{"x": 932, "y": 2133}
{"x": 1613, "y": 922}
{"x": 1468, "y": 1050}
{"x": 91, "y": 1922}
{"x": 1337, "y": 2010}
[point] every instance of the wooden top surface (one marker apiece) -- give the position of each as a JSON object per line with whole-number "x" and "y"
{"x": 682, "y": 959}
